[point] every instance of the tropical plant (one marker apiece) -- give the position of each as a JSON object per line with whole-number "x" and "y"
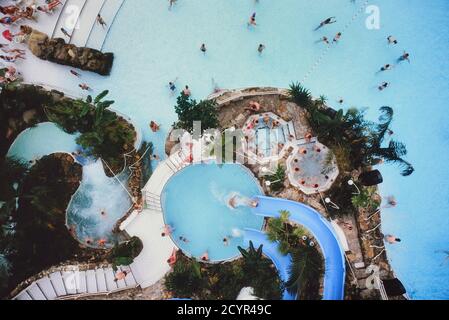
{"x": 367, "y": 199}
{"x": 189, "y": 111}
{"x": 394, "y": 151}
{"x": 300, "y": 95}
{"x": 123, "y": 254}
{"x": 251, "y": 256}
{"x": 305, "y": 273}
{"x": 277, "y": 179}
{"x": 285, "y": 234}
{"x": 185, "y": 280}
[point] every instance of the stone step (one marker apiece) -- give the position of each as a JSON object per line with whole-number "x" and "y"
{"x": 81, "y": 285}
{"x": 87, "y": 21}
{"x": 69, "y": 278}
{"x": 47, "y": 288}
{"x": 110, "y": 283}
{"x": 23, "y": 296}
{"x": 58, "y": 284}
{"x": 101, "y": 280}
{"x": 36, "y": 293}
{"x": 69, "y": 19}
{"x": 91, "y": 282}
{"x": 98, "y": 34}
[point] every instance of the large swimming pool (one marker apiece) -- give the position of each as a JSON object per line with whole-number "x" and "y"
{"x": 153, "y": 46}
{"x": 205, "y": 204}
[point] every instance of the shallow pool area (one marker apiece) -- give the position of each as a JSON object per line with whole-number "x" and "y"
{"x": 207, "y": 203}
{"x": 44, "y": 139}
{"x": 98, "y": 204}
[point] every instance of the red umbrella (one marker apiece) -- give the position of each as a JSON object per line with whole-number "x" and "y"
{"x": 7, "y": 35}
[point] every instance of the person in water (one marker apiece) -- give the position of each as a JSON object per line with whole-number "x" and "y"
{"x": 386, "y": 67}
{"x": 154, "y": 126}
{"x": 203, "y": 48}
{"x": 383, "y": 86}
{"x": 326, "y": 22}
{"x": 391, "y": 239}
{"x": 405, "y": 56}
{"x": 392, "y": 40}
{"x": 261, "y": 48}
{"x": 232, "y": 202}
{"x": 187, "y": 91}
{"x": 226, "y": 241}
{"x": 252, "y": 20}
{"x": 205, "y": 256}
{"x": 337, "y": 37}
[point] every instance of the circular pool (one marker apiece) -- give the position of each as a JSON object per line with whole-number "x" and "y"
{"x": 196, "y": 205}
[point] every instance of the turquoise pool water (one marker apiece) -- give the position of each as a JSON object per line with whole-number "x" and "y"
{"x": 156, "y": 47}
{"x": 195, "y": 203}
{"x": 46, "y": 138}
{"x": 98, "y": 204}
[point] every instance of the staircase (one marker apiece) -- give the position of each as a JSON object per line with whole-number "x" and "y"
{"x": 74, "y": 284}
{"x": 153, "y": 201}
{"x": 79, "y": 19}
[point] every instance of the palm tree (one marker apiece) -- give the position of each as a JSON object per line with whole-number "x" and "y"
{"x": 251, "y": 256}
{"x": 277, "y": 179}
{"x": 394, "y": 151}
{"x": 304, "y": 273}
{"x": 300, "y": 95}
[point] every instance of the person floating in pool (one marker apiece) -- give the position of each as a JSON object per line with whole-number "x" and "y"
{"x": 405, "y": 56}
{"x": 337, "y": 37}
{"x": 103, "y": 213}
{"x": 383, "y": 86}
{"x": 233, "y": 202}
{"x": 386, "y": 67}
{"x": 154, "y": 126}
{"x": 392, "y": 40}
{"x": 391, "y": 239}
{"x": 326, "y": 22}
{"x": 187, "y": 91}
{"x": 261, "y": 48}
{"x": 168, "y": 230}
{"x": 184, "y": 239}
{"x": 252, "y": 20}
{"x": 205, "y": 257}
{"x": 171, "y": 3}
{"x": 203, "y": 48}
{"x": 226, "y": 241}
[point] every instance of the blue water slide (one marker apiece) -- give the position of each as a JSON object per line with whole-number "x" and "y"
{"x": 270, "y": 249}
{"x": 315, "y": 223}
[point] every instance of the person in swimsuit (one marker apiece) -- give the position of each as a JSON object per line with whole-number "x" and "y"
{"x": 326, "y": 22}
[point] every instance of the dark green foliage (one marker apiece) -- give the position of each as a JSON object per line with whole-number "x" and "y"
{"x": 277, "y": 179}
{"x": 189, "y": 110}
{"x": 186, "y": 279}
{"x": 305, "y": 273}
{"x": 223, "y": 281}
{"x": 103, "y": 134}
{"x": 300, "y": 95}
{"x": 280, "y": 230}
{"x": 145, "y": 151}
{"x": 124, "y": 253}
{"x": 40, "y": 237}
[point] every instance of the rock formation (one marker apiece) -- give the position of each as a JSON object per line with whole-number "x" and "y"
{"x": 58, "y": 51}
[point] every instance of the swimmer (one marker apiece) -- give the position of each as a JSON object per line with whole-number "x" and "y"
{"x": 84, "y": 86}
{"x": 254, "y": 203}
{"x": 232, "y": 202}
{"x": 103, "y": 213}
{"x": 184, "y": 239}
{"x": 76, "y": 74}
{"x": 340, "y": 101}
{"x": 405, "y": 56}
{"x": 171, "y": 3}
{"x": 187, "y": 91}
{"x": 386, "y": 67}
{"x": 391, "y": 202}
{"x": 337, "y": 37}
{"x": 205, "y": 257}
{"x": 252, "y": 20}
{"x": 203, "y": 48}
{"x": 326, "y": 22}
{"x": 154, "y": 126}
{"x": 324, "y": 39}
{"x": 100, "y": 21}
{"x": 391, "y": 239}
{"x": 226, "y": 241}
{"x": 383, "y": 86}
{"x": 261, "y": 48}
{"x": 392, "y": 40}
